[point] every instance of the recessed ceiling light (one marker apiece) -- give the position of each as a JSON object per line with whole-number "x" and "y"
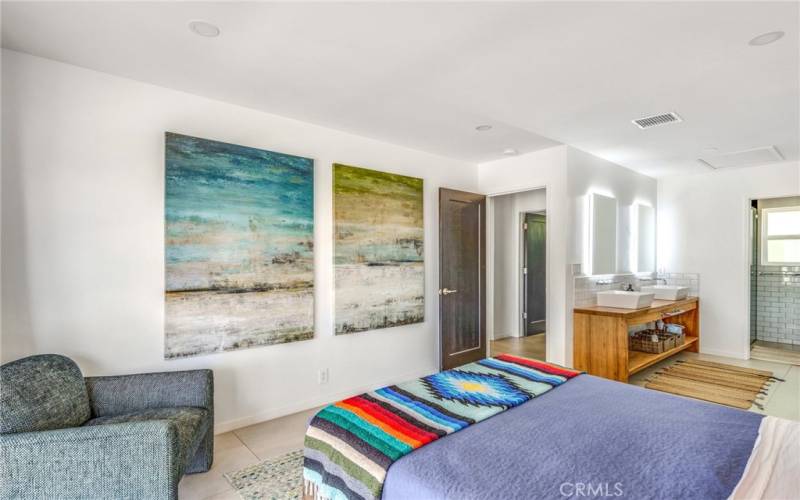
{"x": 510, "y": 152}
{"x": 203, "y": 28}
{"x": 767, "y": 38}
{"x": 483, "y": 128}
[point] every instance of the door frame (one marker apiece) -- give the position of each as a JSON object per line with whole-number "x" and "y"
{"x": 747, "y": 203}
{"x": 490, "y": 258}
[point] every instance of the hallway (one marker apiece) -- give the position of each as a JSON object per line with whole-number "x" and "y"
{"x": 528, "y": 347}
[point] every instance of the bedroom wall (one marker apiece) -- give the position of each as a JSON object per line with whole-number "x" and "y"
{"x": 506, "y": 247}
{"x": 83, "y": 246}
{"x": 541, "y": 169}
{"x": 588, "y": 173}
{"x": 704, "y": 227}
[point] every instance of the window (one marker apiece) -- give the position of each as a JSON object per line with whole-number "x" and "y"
{"x": 780, "y": 236}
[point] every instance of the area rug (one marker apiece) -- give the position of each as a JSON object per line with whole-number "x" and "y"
{"x": 715, "y": 382}
{"x": 277, "y": 479}
{"x": 775, "y": 355}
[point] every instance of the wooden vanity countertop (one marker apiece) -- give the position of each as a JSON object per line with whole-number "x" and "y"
{"x": 658, "y": 306}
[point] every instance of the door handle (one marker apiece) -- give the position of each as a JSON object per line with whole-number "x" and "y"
{"x": 446, "y": 291}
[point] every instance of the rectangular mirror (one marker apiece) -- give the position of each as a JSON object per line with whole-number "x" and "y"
{"x": 602, "y": 234}
{"x": 645, "y": 239}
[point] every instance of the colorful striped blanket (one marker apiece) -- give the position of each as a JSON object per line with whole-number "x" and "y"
{"x": 350, "y": 445}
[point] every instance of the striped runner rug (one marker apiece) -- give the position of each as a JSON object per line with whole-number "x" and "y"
{"x": 350, "y": 445}
{"x": 728, "y": 385}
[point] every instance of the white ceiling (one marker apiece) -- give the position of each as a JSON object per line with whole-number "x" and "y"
{"x": 424, "y": 75}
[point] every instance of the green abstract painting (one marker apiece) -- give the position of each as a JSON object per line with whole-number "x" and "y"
{"x": 379, "y": 269}
{"x": 239, "y": 247}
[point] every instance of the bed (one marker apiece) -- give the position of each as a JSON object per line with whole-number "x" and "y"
{"x": 592, "y": 437}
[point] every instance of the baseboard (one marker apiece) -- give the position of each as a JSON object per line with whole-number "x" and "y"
{"x": 307, "y": 404}
{"x": 725, "y": 354}
{"x": 505, "y": 336}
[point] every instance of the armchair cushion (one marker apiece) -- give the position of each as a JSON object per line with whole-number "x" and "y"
{"x": 124, "y": 394}
{"x": 133, "y": 461}
{"x": 191, "y": 425}
{"x": 43, "y": 392}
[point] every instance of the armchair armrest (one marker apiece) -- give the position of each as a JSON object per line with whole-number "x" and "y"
{"x": 128, "y": 460}
{"x": 129, "y": 393}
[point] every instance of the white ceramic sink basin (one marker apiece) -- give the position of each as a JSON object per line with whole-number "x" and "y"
{"x": 668, "y": 292}
{"x": 625, "y": 300}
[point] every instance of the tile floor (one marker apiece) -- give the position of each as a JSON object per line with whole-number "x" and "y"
{"x": 249, "y": 445}
{"x": 246, "y": 446}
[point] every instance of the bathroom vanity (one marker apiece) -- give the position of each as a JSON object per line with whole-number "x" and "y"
{"x": 600, "y": 340}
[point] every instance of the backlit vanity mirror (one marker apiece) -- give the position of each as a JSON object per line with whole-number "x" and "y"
{"x": 602, "y": 234}
{"x": 645, "y": 238}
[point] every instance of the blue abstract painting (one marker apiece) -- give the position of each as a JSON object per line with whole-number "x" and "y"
{"x": 239, "y": 247}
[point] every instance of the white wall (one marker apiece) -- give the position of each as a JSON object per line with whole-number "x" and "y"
{"x": 83, "y": 244}
{"x": 703, "y": 227}
{"x": 542, "y": 169}
{"x": 588, "y": 173}
{"x": 507, "y": 251}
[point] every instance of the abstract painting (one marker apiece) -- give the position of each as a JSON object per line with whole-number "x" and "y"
{"x": 379, "y": 269}
{"x": 239, "y": 247}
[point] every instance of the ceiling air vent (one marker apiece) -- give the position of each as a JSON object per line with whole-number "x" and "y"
{"x": 656, "y": 120}
{"x": 750, "y": 157}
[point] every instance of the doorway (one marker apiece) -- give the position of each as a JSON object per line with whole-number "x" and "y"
{"x": 518, "y": 265}
{"x": 775, "y": 280}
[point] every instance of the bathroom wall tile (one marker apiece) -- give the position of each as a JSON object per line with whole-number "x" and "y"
{"x": 777, "y": 303}
{"x": 586, "y": 287}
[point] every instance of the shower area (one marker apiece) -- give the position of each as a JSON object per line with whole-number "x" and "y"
{"x": 775, "y": 279}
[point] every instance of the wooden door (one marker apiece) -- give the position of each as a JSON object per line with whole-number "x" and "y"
{"x": 462, "y": 277}
{"x": 534, "y": 274}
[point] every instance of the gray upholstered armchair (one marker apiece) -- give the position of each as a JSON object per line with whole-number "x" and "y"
{"x": 130, "y": 436}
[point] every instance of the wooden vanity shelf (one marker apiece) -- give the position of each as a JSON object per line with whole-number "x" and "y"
{"x": 601, "y": 336}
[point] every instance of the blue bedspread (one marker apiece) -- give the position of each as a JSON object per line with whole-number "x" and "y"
{"x": 591, "y": 438}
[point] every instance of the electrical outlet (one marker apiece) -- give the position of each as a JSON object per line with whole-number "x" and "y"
{"x": 323, "y": 376}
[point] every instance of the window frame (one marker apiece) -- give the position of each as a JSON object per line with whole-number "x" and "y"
{"x": 765, "y": 238}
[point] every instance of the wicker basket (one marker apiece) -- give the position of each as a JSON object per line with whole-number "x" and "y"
{"x": 680, "y": 338}
{"x": 643, "y": 341}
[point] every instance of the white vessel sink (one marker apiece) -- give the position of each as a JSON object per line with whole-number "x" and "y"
{"x": 625, "y": 300}
{"x": 668, "y": 292}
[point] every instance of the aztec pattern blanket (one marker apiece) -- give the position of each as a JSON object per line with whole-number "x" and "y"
{"x": 350, "y": 445}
